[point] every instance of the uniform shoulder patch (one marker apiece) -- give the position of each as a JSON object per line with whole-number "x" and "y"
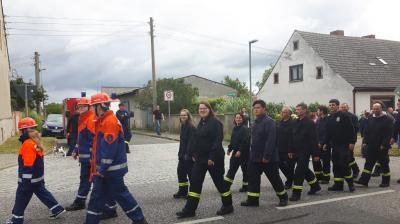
{"x": 109, "y": 138}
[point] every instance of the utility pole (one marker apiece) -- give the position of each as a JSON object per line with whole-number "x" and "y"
{"x": 26, "y": 100}
{"x": 250, "y": 84}
{"x": 153, "y": 64}
{"x": 37, "y": 79}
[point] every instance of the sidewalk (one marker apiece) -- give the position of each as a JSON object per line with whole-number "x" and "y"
{"x": 8, "y": 160}
{"x": 164, "y": 135}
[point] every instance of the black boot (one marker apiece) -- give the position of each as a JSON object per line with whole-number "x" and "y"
{"x": 364, "y": 179}
{"x": 314, "y": 189}
{"x": 350, "y": 184}
{"x": 385, "y": 181}
{"x": 283, "y": 200}
{"x": 296, "y": 195}
{"x": 109, "y": 215}
{"x": 250, "y": 202}
{"x": 225, "y": 210}
{"x": 337, "y": 186}
{"x": 185, "y": 214}
{"x": 143, "y": 221}
{"x": 377, "y": 171}
{"x": 75, "y": 206}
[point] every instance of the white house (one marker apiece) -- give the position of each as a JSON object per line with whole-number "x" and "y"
{"x": 317, "y": 67}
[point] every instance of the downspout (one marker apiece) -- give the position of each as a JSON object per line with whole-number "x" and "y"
{"x": 354, "y": 101}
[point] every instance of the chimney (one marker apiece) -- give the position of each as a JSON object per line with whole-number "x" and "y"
{"x": 372, "y": 36}
{"x": 337, "y": 32}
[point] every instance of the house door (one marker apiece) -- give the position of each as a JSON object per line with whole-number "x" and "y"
{"x": 388, "y": 100}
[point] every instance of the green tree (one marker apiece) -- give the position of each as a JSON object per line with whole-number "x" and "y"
{"x": 17, "y": 95}
{"x": 233, "y": 104}
{"x": 54, "y": 108}
{"x": 184, "y": 95}
{"x": 39, "y": 96}
{"x": 241, "y": 87}
{"x": 265, "y": 77}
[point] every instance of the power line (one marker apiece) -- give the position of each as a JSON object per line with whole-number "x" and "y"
{"x": 55, "y": 30}
{"x": 71, "y": 24}
{"x": 69, "y": 35}
{"x": 71, "y": 18}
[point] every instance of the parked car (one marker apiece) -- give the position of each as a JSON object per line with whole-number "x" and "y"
{"x": 53, "y": 126}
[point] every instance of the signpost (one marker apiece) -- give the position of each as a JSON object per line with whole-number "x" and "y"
{"x": 169, "y": 96}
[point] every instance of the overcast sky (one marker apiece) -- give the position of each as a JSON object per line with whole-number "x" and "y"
{"x": 106, "y": 43}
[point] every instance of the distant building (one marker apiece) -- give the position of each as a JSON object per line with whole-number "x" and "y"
{"x": 117, "y": 90}
{"x": 317, "y": 67}
{"x": 6, "y": 119}
{"x": 209, "y": 88}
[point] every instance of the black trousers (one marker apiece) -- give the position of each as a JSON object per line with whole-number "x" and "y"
{"x": 234, "y": 165}
{"x": 196, "y": 183}
{"x": 127, "y": 138}
{"x": 184, "y": 171}
{"x": 322, "y": 168}
{"x": 376, "y": 155}
{"x": 271, "y": 170}
{"x": 286, "y": 165}
{"x": 353, "y": 164}
{"x": 302, "y": 171}
{"x": 341, "y": 156}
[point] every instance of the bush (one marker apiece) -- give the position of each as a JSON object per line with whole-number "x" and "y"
{"x": 38, "y": 118}
{"x": 233, "y": 105}
{"x": 274, "y": 110}
{"x": 54, "y": 108}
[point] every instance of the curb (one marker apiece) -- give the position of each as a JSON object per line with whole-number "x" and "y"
{"x": 156, "y": 136}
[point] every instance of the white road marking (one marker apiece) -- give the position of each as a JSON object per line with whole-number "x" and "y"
{"x": 334, "y": 199}
{"x": 202, "y": 220}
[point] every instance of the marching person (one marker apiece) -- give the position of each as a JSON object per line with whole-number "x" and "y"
{"x": 186, "y": 143}
{"x": 377, "y": 140}
{"x": 109, "y": 166}
{"x": 208, "y": 155}
{"x": 31, "y": 174}
{"x": 83, "y": 151}
{"x": 284, "y": 136}
{"x": 322, "y": 168}
{"x": 124, "y": 117}
{"x": 238, "y": 149}
{"x": 304, "y": 145}
{"x": 344, "y": 107}
{"x": 264, "y": 157}
{"x": 72, "y": 131}
{"x": 340, "y": 136}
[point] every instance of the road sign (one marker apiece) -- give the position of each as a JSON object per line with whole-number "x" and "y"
{"x": 168, "y": 95}
{"x": 231, "y": 94}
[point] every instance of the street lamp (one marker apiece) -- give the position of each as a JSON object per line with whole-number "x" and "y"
{"x": 251, "y": 92}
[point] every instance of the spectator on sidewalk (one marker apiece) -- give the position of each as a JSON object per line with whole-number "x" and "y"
{"x": 158, "y": 117}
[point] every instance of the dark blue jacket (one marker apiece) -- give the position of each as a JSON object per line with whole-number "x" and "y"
{"x": 263, "y": 140}
{"x": 321, "y": 125}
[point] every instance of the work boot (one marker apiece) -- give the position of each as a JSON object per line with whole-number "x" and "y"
{"x": 243, "y": 189}
{"x": 385, "y": 181}
{"x": 143, "y": 221}
{"x": 250, "y": 202}
{"x": 336, "y": 187}
{"x": 75, "y": 206}
{"x": 225, "y": 210}
{"x": 185, "y": 214}
{"x": 57, "y": 214}
{"x": 283, "y": 201}
{"x": 296, "y": 195}
{"x": 364, "y": 178}
{"x": 377, "y": 171}
{"x": 314, "y": 189}
{"x": 350, "y": 183}
{"x": 109, "y": 215}
{"x": 361, "y": 182}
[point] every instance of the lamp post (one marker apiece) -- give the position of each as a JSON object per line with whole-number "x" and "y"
{"x": 251, "y": 91}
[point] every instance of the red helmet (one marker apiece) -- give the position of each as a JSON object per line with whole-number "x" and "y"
{"x": 100, "y": 98}
{"x": 84, "y": 101}
{"x": 26, "y": 122}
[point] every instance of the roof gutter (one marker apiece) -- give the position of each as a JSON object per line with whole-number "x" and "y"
{"x": 374, "y": 89}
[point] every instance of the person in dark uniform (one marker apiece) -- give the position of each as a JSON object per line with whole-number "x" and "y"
{"x": 344, "y": 107}
{"x": 72, "y": 132}
{"x": 284, "y": 139}
{"x": 124, "y": 117}
{"x": 208, "y": 155}
{"x": 264, "y": 157}
{"x": 238, "y": 149}
{"x": 377, "y": 140}
{"x": 304, "y": 145}
{"x": 322, "y": 168}
{"x": 340, "y": 136}
{"x": 185, "y": 164}
{"x": 363, "y": 123}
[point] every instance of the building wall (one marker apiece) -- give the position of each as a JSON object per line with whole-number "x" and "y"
{"x": 310, "y": 89}
{"x": 208, "y": 88}
{"x": 6, "y": 119}
{"x": 363, "y": 100}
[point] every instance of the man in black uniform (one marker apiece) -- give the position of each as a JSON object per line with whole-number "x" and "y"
{"x": 344, "y": 107}
{"x": 263, "y": 157}
{"x": 72, "y": 132}
{"x": 340, "y": 136}
{"x": 284, "y": 136}
{"x": 377, "y": 140}
{"x": 322, "y": 168}
{"x": 304, "y": 145}
{"x": 123, "y": 116}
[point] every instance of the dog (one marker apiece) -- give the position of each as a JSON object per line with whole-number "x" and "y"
{"x": 60, "y": 150}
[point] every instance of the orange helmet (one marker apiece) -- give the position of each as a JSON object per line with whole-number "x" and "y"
{"x": 100, "y": 98}
{"x": 84, "y": 101}
{"x": 26, "y": 122}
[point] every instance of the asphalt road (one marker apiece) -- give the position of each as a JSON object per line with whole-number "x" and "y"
{"x": 152, "y": 180}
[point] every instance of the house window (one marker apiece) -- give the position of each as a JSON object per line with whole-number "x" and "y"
{"x": 276, "y": 78}
{"x": 295, "y": 45}
{"x": 296, "y": 73}
{"x": 319, "y": 73}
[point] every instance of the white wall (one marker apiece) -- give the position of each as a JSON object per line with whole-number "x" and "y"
{"x": 363, "y": 100}
{"x": 310, "y": 89}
